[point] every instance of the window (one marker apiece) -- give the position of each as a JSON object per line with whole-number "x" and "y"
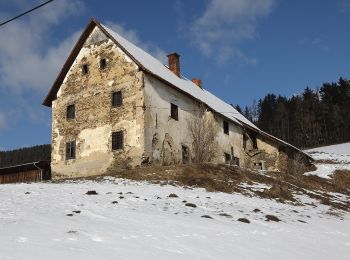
{"x": 226, "y": 127}
{"x": 245, "y": 141}
{"x": 255, "y": 143}
{"x": 117, "y": 140}
{"x": 117, "y": 99}
{"x": 71, "y": 112}
{"x": 227, "y": 158}
{"x": 174, "y": 112}
{"x": 85, "y": 69}
{"x": 236, "y": 161}
{"x": 259, "y": 165}
{"x": 103, "y": 64}
{"x": 185, "y": 155}
{"x": 70, "y": 150}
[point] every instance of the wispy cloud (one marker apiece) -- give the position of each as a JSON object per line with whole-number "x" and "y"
{"x": 344, "y": 5}
{"x": 314, "y": 42}
{"x": 132, "y": 36}
{"x": 226, "y": 24}
{"x": 25, "y": 50}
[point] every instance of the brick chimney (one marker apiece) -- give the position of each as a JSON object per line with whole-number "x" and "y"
{"x": 198, "y": 82}
{"x": 174, "y": 63}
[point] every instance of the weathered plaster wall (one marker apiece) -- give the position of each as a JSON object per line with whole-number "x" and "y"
{"x": 165, "y": 136}
{"x": 96, "y": 119}
{"x": 233, "y": 140}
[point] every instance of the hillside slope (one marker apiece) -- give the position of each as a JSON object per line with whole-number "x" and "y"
{"x": 329, "y": 159}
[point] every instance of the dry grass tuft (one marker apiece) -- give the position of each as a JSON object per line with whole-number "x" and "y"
{"x": 341, "y": 180}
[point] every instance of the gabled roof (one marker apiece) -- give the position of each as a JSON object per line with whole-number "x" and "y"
{"x": 154, "y": 67}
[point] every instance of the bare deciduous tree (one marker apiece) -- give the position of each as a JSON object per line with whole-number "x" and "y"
{"x": 203, "y": 129}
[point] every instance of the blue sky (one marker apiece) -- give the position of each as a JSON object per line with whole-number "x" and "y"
{"x": 241, "y": 49}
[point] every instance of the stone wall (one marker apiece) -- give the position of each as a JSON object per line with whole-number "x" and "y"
{"x": 95, "y": 118}
{"x": 264, "y": 157}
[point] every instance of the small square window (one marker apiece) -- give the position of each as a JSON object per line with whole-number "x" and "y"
{"x": 174, "y": 113}
{"x": 226, "y": 127}
{"x": 85, "y": 69}
{"x": 117, "y": 140}
{"x": 103, "y": 63}
{"x": 70, "y": 150}
{"x": 117, "y": 99}
{"x": 71, "y": 112}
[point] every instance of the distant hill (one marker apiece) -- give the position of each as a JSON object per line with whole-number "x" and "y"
{"x": 25, "y": 155}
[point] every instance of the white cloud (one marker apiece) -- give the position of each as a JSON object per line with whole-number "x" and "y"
{"x": 225, "y": 24}
{"x": 28, "y": 60}
{"x": 132, "y": 36}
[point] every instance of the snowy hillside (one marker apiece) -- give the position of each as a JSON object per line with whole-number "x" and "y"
{"x": 342, "y": 149}
{"x": 136, "y": 220}
{"x": 330, "y": 158}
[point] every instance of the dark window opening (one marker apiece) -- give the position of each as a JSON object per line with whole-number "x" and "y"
{"x": 103, "y": 64}
{"x": 236, "y": 161}
{"x": 254, "y": 141}
{"x": 227, "y": 158}
{"x": 85, "y": 69}
{"x": 174, "y": 113}
{"x": 117, "y": 140}
{"x": 71, "y": 112}
{"x": 226, "y": 127}
{"x": 185, "y": 155}
{"x": 244, "y": 141}
{"x": 258, "y": 165}
{"x": 117, "y": 99}
{"x": 70, "y": 150}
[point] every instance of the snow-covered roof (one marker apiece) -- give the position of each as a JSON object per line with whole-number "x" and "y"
{"x": 153, "y": 66}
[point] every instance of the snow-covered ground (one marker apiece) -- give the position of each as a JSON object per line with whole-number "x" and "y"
{"x": 330, "y": 158}
{"x": 59, "y": 221}
{"x": 343, "y": 149}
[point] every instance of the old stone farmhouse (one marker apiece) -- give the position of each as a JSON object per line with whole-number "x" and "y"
{"x": 114, "y": 106}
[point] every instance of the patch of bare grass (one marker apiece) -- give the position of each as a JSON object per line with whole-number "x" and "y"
{"x": 341, "y": 180}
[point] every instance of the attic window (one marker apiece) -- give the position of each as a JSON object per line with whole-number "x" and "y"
{"x": 117, "y": 140}
{"x": 226, "y": 127}
{"x": 117, "y": 99}
{"x": 85, "y": 69}
{"x": 70, "y": 150}
{"x": 71, "y": 112}
{"x": 103, "y": 63}
{"x": 174, "y": 113}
